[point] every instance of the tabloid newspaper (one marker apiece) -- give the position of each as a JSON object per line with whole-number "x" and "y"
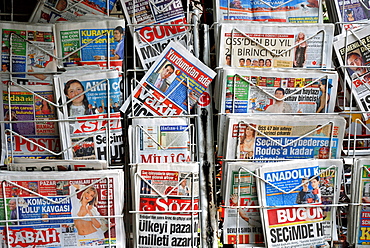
{"x": 156, "y": 23}
{"x": 29, "y": 128}
{"x": 161, "y": 140}
{"x": 285, "y": 186}
{"x": 52, "y": 11}
{"x": 91, "y": 103}
{"x": 172, "y": 85}
{"x": 360, "y": 214}
{"x": 71, "y": 36}
{"x": 26, "y": 164}
{"x": 243, "y": 225}
{"x": 354, "y": 13}
{"x": 64, "y": 209}
{"x": 275, "y": 45}
{"x": 167, "y": 201}
{"x": 31, "y": 47}
{"x": 260, "y": 137}
{"x": 357, "y": 57}
{"x": 296, "y": 11}
{"x": 260, "y": 90}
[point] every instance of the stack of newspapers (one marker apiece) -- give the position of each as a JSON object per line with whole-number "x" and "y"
{"x": 61, "y": 128}
{"x": 277, "y": 132}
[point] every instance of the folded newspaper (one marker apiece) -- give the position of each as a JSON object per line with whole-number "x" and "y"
{"x": 172, "y": 85}
{"x": 275, "y": 45}
{"x": 166, "y": 205}
{"x": 282, "y": 136}
{"x": 291, "y": 191}
{"x": 162, "y": 140}
{"x": 64, "y": 209}
{"x": 276, "y": 91}
{"x": 294, "y": 11}
{"x": 154, "y": 24}
{"x": 31, "y": 47}
{"x": 52, "y": 11}
{"x": 352, "y": 52}
{"x": 90, "y": 105}
{"x": 242, "y": 220}
{"x": 29, "y": 127}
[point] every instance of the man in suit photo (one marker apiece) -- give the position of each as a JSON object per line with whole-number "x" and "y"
{"x": 159, "y": 80}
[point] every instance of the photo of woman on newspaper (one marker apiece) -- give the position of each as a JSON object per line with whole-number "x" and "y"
{"x": 88, "y": 229}
{"x": 300, "y": 50}
{"x": 323, "y": 100}
{"x": 247, "y": 142}
{"x": 79, "y": 105}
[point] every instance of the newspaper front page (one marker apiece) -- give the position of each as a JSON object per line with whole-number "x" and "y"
{"x": 295, "y": 11}
{"x": 261, "y": 137}
{"x": 30, "y": 47}
{"x": 91, "y": 102}
{"x": 287, "y": 224}
{"x": 64, "y": 209}
{"x": 29, "y": 128}
{"x": 162, "y": 140}
{"x": 294, "y": 91}
{"x": 157, "y": 23}
{"x": 355, "y": 13}
{"x": 356, "y": 56}
{"x": 172, "y": 85}
{"x": 360, "y": 214}
{"x": 167, "y": 201}
{"x": 241, "y": 225}
{"x": 275, "y": 45}
{"x": 101, "y": 43}
{"x": 52, "y": 11}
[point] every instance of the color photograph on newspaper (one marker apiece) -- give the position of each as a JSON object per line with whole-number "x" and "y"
{"x": 89, "y": 98}
{"x": 167, "y": 198}
{"x": 47, "y": 211}
{"x": 354, "y": 13}
{"x": 261, "y": 91}
{"x": 241, "y": 225}
{"x": 276, "y": 46}
{"x": 296, "y": 11}
{"x": 285, "y": 185}
{"x": 284, "y": 137}
{"x": 177, "y": 77}
{"x": 356, "y": 56}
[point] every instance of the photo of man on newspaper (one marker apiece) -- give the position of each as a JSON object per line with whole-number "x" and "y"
{"x": 118, "y": 34}
{"x": 279, "y": 106}
{"x": 355, "y": 59}
{"x": 160, "y": 78}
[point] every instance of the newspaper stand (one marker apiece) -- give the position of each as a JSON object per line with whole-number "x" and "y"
{"x": 9, "y": 133}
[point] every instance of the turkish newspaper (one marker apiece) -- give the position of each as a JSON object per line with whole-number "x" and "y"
{"x": 101, "y": 42}
{"x": 360, "y": 213}
{"x": 64, "y": 209}
{"x": 90, "y": 101}
{"x": 296, "y": 11}
{"x": 356, "y": 56}
{"x": 155, "y": 25}
{"x": 167, "y": 205}
{"x": 52, "y": 11}
{"x": 354, "y": 13}
{"x": 258, "y": 90}
{"x": 29, "y": 128}
{"x": 292, "y": 191}
{"x": 27, "y": 164}
{"x": 261, "y": 137}
{"x": 30, "y": 48}
{"x": 172, "y": 85}
{"x": 276, "y": 45}
{"x": 162, "y": 140}
{"x": 242, "y": 225}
